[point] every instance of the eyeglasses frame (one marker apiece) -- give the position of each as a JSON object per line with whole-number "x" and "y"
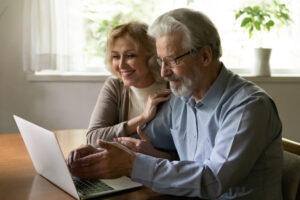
{"x": 175, "y": 60}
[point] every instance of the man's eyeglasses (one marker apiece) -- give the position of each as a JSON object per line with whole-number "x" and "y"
{"x": 171, "y": 62}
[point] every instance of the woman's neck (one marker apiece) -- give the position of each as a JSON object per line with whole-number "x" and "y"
{"x": 146, "y": 83}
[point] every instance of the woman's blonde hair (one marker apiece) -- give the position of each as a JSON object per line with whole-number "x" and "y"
{"x": 137, "y": 31}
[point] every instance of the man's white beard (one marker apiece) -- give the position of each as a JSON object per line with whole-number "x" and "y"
{"x": 187, "y": 86}
{"x": 184, "y": 90}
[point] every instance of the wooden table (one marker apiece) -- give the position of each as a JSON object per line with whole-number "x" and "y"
{"x": 18, "y": 179}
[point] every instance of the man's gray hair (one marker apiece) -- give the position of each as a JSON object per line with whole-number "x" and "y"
{"x": 197, "y": 28}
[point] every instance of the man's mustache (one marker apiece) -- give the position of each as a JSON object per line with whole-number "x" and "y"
{"x": 173, "y": 78}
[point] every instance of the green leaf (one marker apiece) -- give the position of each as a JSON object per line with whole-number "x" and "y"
{"x": 257, "y": 25}
{"x": 245, "y": 21}
{"x": 264, "y": 15}
{"x": 269, "y": 24}
{"x": 256, "y": 9}
{"x": 238, "y": 14}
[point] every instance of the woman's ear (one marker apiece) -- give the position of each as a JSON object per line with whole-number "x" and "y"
{"x": 206, "y": 55}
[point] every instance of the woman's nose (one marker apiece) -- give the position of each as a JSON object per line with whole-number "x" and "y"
{"x": 122, "y": 62}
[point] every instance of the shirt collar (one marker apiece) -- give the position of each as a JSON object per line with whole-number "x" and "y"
{"x": 214, "y": 93}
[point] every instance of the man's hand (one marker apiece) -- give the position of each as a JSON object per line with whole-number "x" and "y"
{"x": 113, "y": 162}
{"x": 80, "y": 152}
{"x": 142, "y": 145}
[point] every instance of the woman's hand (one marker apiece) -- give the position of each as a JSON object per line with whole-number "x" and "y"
{"x": 142, "y": 145}
{"x": 149, "y": 111}
{"x": 153, "y": 100}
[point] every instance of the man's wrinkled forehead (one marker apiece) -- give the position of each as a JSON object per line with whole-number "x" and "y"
{"x": 170, "y": 42}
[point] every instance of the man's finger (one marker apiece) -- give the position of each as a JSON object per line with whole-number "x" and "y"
{"x": 82, "y": 151}
{"x": 87, "y": 160}
{"x": 69, "y": 158}
{"x": 76, "y": 155}
{"x": 129, "y": 139}
{"x": 79, "y": 153}
{"x": 104, "y": 145}
{"x": 128, "y": 144}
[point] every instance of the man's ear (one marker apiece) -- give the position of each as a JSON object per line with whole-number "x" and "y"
{"x": 206, "y": 55}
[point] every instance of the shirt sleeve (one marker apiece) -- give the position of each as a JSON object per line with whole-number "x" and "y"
{"x": 104, "y": 123}
{"x": 248, "y": 145}
{"x": 245, "y": 132}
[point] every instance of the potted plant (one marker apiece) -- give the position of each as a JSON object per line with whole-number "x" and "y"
{"x": 260, "y": 18}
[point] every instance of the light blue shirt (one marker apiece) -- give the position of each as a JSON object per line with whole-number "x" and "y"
{"x": 229, "y": 144}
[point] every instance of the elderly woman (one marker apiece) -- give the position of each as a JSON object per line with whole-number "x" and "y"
{"x": 131, "y": 99}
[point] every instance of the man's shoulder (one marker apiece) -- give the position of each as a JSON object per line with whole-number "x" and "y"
{"x": 240, "y": 90}
{"x": 233, "y": 88}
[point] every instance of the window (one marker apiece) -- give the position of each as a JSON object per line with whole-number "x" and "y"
{"x": 69, "y": 36}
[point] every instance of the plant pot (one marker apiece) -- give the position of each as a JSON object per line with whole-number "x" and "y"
{"x": 262, "y": 62}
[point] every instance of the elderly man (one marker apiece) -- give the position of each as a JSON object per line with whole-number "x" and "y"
{"x": 226, "y": 130}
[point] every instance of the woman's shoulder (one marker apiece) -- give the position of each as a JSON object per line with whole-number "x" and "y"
{"x": 114, "y": 82}
{"x": 114, "y": 87}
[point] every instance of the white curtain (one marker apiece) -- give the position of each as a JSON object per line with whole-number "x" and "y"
{"x": 53, "y": 36}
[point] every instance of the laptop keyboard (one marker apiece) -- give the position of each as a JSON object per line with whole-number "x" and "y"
{"x": 90, "y": 186}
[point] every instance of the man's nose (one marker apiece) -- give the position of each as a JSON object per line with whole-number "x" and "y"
{"x": 165, "y": 71}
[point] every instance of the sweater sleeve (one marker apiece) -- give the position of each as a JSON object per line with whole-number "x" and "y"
{"x": 104, "y": 123}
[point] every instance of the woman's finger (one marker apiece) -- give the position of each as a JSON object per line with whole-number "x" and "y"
{"x": 160, "y": 93}
{"x": 160, "y": 99}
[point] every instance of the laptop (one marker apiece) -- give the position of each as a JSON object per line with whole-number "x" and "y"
{"x": 49, "y": 162}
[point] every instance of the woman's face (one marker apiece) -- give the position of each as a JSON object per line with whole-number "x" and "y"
{"x": 130, "y": 64}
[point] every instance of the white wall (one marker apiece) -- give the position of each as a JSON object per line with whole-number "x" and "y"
{"x": 65, "y": 105}
{"x": 286, "y": 95}
{"x": 55, "y": 105}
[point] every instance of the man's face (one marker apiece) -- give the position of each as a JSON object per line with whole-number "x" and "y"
{"x": 183, "y": 75}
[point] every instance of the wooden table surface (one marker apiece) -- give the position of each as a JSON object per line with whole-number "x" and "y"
{"x": 18, "y": 179}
